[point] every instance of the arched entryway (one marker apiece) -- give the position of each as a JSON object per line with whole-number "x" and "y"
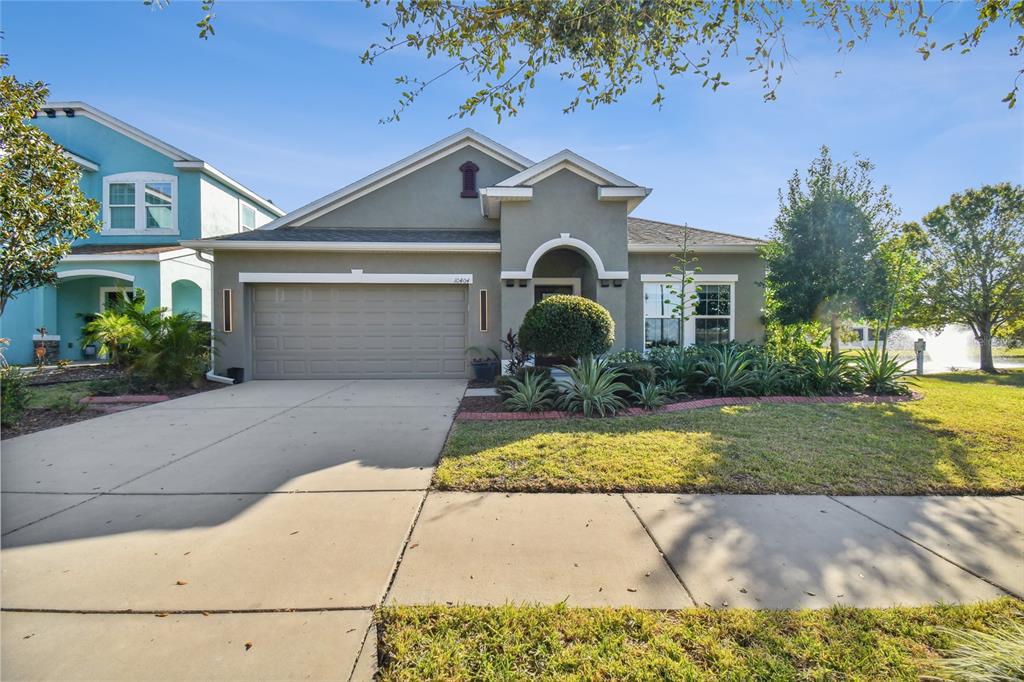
{"x": 186, "y": 296}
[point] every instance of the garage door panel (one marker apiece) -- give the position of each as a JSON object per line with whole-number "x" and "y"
{"x": 351, "y": 331}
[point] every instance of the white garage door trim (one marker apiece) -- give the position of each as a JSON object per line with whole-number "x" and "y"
{"x": 354, "y": 277}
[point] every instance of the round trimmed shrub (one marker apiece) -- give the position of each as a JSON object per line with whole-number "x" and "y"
{"x": 567, "y": 326}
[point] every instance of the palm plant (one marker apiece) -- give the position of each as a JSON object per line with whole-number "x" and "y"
{"x": 593, "y": 388}
{"x": 533, "y": 393}
{"x": 176, "y": 353}
{"x": 727, "y": 370}
{"x": 881, "y": 373}
{"x": 650, "y": 396}
{"x": 114, "y": 333}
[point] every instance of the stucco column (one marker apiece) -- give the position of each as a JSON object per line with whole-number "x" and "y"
{"x": 614, "y": 299}
{"x": 46, "y": 310}
{"x": 515, "y": 301}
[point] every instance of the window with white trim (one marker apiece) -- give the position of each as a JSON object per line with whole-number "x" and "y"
{"x": 111, "y": 294}
{"x": 246, "y": 216}
{"x": 140, "y": 203}
{"x": 661, "y": 322}
{"x": 712, "y": 319}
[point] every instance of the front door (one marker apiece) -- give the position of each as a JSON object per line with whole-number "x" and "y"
{"x": 542, "y": 291}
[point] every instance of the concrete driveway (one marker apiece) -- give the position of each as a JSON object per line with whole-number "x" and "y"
{"x": 248, "y": 530}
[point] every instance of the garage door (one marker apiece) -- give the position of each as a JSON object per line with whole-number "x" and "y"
{"x": 346, "y": 331}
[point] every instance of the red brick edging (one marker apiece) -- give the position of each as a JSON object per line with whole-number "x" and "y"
{"x": 122, "y": 399}
{"x": 692, "y": 405}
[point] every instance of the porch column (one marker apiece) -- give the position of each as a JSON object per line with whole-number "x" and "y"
{"x": 614, "y": 299}
{"x": 515, "y": 301}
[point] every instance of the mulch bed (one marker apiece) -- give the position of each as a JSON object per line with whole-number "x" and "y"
{"x": 490, "y": 408}
{"x": 65, "y": 375}
{"x": 39, "y": 419}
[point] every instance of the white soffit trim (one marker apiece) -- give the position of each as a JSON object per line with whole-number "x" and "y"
{"x": 87, "y": 272}
{"x": 82, "y": 161}
{"x": 698, "y": 248}
{"x": 442, "y": 247}
{"x": 204, "y": 167}
{"x": 566, "y": 160}
{"x": 354, "y": 277}
{"x": 491, "y": 198}
{"x": 96, "y": 257}
{"x": 699, "y": 278}
{"x": 464, "y": 138}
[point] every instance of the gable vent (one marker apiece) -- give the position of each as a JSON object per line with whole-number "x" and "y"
{"x": 469, "y": 170}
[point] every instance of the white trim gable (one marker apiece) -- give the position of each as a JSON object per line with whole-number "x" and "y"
{"x": 399, "y": 169}
{"x": 90, "y": 272}
{"x": 564, "y": 240}
{"x": 566, "y": 160}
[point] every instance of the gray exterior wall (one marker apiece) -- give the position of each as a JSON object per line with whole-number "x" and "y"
{"x": 749, "y": 291}
{"x": 233, "y": 348}
{"x": 428, "y": 197}
{"x": 564, "y": 202}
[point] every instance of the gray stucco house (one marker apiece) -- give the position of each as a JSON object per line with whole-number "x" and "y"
{"x": 394, "y": 275}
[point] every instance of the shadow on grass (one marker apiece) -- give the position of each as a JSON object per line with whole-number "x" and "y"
{"x": 852, "y": 449}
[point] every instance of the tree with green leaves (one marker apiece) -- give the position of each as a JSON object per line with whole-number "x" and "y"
{"x": 42, "y": 209}
{"x": 974, "y": 264}
{"x": 608, "y": 47}
{"x": 825, "y": 260}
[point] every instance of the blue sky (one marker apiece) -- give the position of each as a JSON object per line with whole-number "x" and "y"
{"x": 279, "y": 100}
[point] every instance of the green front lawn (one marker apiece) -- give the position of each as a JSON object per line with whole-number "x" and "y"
{"x": 966, "y": 436}
{"x": 58, "y": 396}
{"x": 558, "y": 642}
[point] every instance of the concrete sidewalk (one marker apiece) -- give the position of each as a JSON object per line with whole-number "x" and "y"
{"x": 672, "y": 551}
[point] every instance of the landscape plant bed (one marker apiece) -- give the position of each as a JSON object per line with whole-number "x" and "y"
{"x": 71, "y": 373}
{"x": 487, "y": 408}
{"x": 547, "y": 642}
{"x": 54, "y": 405}
{"x": 965, "y": 437}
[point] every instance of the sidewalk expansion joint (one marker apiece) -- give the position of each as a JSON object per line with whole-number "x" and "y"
{"x": 930, "y": 550}
{"x": 661, "y": 551}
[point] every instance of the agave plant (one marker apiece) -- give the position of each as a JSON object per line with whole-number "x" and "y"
{"x": 593, "y": 388}
{"x": 673, "y": 389}
{"x": 533, "y": 393}
{"x": 774, "y": 377}
{"x": 727, "y": 370}
{"x": 881, "y": 373}
{"x": 825, "y": 373}
{"x": 676, "y": 365}
{"x": 650, "y": 396}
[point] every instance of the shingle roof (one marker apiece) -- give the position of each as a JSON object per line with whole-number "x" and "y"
{"x": 643, "y": 231}
{"x": 354, "y": 234}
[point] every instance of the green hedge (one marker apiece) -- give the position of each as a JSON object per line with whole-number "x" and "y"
{"x": 568, "y": 327}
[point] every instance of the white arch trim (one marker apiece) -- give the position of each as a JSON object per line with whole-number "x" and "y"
{"x": 564, "y": 240}
{"x": 88, "y": 272}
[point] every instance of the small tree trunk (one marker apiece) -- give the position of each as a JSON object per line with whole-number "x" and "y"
{"x": 834, "y": 335}
{"x": 985, "y": 342}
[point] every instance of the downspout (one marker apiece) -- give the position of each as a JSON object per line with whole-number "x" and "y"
{"x": 210, "y": 376}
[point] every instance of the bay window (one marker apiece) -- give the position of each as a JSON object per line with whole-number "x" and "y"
{"x": 140, "y": 203}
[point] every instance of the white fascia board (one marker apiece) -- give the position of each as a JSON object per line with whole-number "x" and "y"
{"x": 697, "y": 248}
{"x": 399, "y": 169}
{"x": 698, "y": 277}
{"x": 385, "y": 247}
{"x": 566, "y": 160}
{"x": 89, "y": 111}
{"x": 82, "y": 161}
{"x": 492, "y": 197}
{"x": 354, "y": 277}
{"x": 95, "y": 257}
{"x": 606, "y": 274}
{"x": 203, "y": 167}
{"x": 622, "y": 193}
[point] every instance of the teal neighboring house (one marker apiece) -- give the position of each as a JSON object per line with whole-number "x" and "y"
{"x": 152, "y": 196}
